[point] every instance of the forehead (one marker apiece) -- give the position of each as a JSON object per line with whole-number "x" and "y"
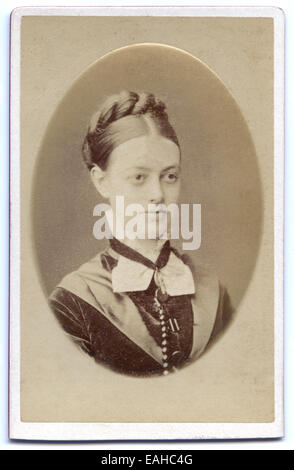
{"x": 153, "y": 152}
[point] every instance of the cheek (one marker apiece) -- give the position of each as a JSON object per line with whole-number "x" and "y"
{"x": 137, "y": 195}
{"x": 123, "y": 187}
{"x": 172, "y": 192}
{"x": 116, "y": 186}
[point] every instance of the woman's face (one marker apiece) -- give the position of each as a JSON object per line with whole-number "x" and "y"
{"x": 144, "y": 170}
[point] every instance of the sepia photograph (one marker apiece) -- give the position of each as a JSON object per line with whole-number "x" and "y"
{"x": 134, "y": 305}
{"x": 146, "y": 223}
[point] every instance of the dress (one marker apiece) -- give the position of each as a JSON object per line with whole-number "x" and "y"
{"x": 113, "y": 309}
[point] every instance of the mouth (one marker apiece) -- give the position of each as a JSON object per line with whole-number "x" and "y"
{"x": 159, "y": 211}
{"x": 156, "y": 214}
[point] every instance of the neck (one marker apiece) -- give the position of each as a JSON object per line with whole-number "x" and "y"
{"x": 148, "y": 248}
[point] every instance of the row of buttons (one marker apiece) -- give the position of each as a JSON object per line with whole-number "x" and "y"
{"x": 164, "y": 341}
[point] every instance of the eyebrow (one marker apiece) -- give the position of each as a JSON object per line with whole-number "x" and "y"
{"x": 172, "y": 167}
{"x": 137, "y": 168}
{"x": 176, "y": 167}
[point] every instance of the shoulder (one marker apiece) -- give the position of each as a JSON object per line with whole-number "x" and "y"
{"x": 96, "y": 269}
{"x": 91, "y": 281}
{"x": 212, "y": 304}
{"x": 224, "y": 312}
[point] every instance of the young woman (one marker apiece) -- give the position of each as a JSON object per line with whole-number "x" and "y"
{"x": 139, "y": 307}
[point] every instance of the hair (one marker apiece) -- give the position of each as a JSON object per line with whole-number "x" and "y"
{"x": 120, "y": 118}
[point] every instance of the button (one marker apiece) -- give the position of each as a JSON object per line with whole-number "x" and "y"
{"x": 165, "y": 372}
{"x": 164, "y": 349}
{"x": 162, "y": 323}
{"x": 164, "y": 342}
{"x": 165, "y": 364}
{"x": 175, "y": 352}
{"x": 163, "y": 328}
{"x": 164, "y": 335}
{"x": 164, "y": 356}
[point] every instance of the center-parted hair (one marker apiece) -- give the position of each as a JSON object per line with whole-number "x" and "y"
{"x": 123, "y": 117}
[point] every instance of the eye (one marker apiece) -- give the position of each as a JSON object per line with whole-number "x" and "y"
{"x": 138, "y": 178}
{"x": 170, "y": 177}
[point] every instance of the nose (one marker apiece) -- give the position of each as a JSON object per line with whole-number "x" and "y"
{"x": 156, "y": 195}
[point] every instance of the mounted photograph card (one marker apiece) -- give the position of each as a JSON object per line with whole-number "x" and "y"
{"x": 146, "y": 223}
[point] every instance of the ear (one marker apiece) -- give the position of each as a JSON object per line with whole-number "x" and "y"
{"x": 98, "y": 177}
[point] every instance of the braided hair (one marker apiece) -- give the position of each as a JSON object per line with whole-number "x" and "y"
{"x": 122, "y": 117}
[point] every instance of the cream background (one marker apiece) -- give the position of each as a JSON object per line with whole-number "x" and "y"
{"x": 233, "y": 382}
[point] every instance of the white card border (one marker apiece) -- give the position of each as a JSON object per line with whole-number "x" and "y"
{"x": 143, "y": 431}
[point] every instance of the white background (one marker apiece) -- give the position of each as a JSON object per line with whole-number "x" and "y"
{"x": 283, "y": 444}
